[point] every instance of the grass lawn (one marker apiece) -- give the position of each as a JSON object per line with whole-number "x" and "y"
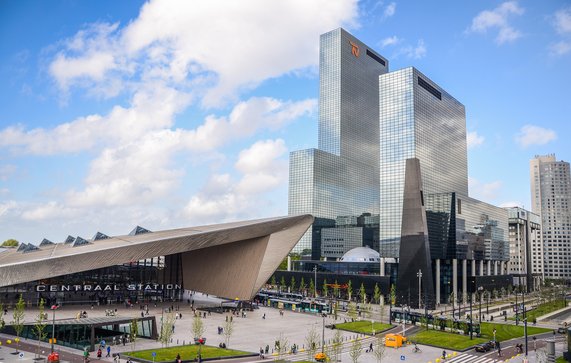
{"x": 507, "y": 332}
{"x": 544, "y": 308}
{"x": 560, "y": 360}
{"x": 363, "y": 326}
{"x": 446, "y": 340}
{"x": 186, "y": 352}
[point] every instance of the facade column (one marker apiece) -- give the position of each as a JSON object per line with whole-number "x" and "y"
{"x": 455, "y": 278}
{"x": 437, "y": 280}
{"x": 502, "y": 267}
{"x": 481, "y": 267}
{"x": 495, "y": 268}
{"x": 473, "y": 268}
{"x": 489, "y": 268}
{"x": 382, "y": 267}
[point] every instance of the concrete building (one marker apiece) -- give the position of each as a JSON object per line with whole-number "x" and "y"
{"x": 526, "y": 249}
{"x": 550, "y": 182}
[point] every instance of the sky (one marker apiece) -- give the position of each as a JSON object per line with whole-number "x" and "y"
{"x": 171, "y": 114}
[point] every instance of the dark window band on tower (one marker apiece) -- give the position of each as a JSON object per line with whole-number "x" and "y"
{"x": 376, "y": 57}
{"x": 422, "y": 83}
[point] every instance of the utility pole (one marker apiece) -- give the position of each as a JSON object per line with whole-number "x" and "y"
{"x": 419, "y": 275}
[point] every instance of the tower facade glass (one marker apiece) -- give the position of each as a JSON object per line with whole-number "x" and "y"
{"x": 340, "y": 178}
{"x": 417, "y": 119}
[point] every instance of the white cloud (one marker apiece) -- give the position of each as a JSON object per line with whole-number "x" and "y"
{"x": 413, "y": 52}
{"x": 263, "y": 169}
{"x": 389, "y": 41}
{"x": 560, "y": 48}
{"x": 6, "y": 206}
{"x": 487, "y": 192}
{"x": 474, "y": 139}
{"x": 6, "y": 171}
{"x": 390, "y": 10}
{"x": 534, "y": 135}
{"x": 49, "y": 211}
{"x": 563, "y": 21}
{"x": 245, "y": 44}
{"x": 498, "y": 19}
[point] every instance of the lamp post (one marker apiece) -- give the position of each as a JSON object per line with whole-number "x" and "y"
{"x": 315, "y": 284}
{"x": 419, "y": 275}
{"x": 323, "y": 333}
{"x": 480, "y": 289}
{"x": 524, "y": 322}
{"x": 488, "y": 303}
{"x": 471, "y": 321}
{"x": 53, "y": 308}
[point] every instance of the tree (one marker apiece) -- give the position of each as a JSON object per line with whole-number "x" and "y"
{"x": 2, "y": 322}
{"x": 283, "y": 283}
{"x": 292, "y": 284}
{"x": 376, "y": 294}
{"x": 325, "y": 289}
{"x": 273, "y": 281}
{"x": 452, "y": 301}
{"x": 337, "y": 344}
{"x": 379, "y": 350}
{"x": 198, "y": 326}
{"x": 356, "y": 350}
{"x": 302, "y": 285}
{"x": 134, "y": 332}
{"x": 393, "y": 294}
{"x": 10, "y": 243}
{"x": 18, "y": 322}
{"x": 167, "y": 329}
{"x": 382, "y": 307}
{"x": 352, "y": 310}
{"x": 336, "y": 290}
{"x": 349, "y": 289}
{"x": 363, "y": 293}
{"x": 40, "y": 326}
{"x": 228, "y": 330}
{"x": 311, "y": 340}
{"x": 311, "y": 287}
{"x": 281, "y": 345}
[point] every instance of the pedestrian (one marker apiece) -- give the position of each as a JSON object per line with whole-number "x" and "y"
{"x": 99, "y": 353}
{"x": 264, "y": 316}
{"x": 371, "y": 347}
{"x": 499, "y": 349}
{"x": 117, "y": 358}
{"x": 261, "y": 353}
{"x": 267, "y": 350}
{"x": 108, "y": 351}
{"x": 443, "y": 354}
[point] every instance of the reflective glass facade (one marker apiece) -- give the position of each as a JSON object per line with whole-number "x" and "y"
{"x": 417, "y": 119}
{"x": 341, "y": 177}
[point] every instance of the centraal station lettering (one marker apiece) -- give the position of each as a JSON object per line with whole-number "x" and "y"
{"x": 109, "y": 287}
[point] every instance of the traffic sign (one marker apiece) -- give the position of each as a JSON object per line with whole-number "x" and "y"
{"x": 21, "y": 355}
{"x": 402, "y": 357}
{"x": 154, "y": 354}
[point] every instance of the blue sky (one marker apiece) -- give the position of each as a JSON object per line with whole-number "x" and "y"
{"x": 170, "y": 114}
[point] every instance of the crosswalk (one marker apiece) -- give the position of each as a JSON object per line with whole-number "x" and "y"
{"x": 466, "y": 358}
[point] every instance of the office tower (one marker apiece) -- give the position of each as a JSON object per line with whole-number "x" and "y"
{"x": 526, "y": 249}
{"x": 551, "y": 198}
{"x": 418, "y": 119}
{"x": 340, "y": 178}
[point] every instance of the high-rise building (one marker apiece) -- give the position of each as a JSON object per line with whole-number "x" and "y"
{"x": 418, "y": 119}
{"x": 526, "y": 249}
{"x": 372, "y": 124}
{"x": 551, "y": 198}
{"x": 340, "y": 178}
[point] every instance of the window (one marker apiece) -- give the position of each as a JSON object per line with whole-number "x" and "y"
{"x": 376, "y": 57}
{"x": 422, "y": 83}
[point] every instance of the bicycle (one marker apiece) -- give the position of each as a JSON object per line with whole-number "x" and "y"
{"x": 416, "y": 349}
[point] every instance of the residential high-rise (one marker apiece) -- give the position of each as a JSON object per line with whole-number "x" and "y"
{"x": 526, "y": 249}
{"x": 551, "y": 198}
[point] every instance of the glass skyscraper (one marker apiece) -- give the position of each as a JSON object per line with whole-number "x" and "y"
{"x": 340, "y": 178}
{"x": 417, "y": 119}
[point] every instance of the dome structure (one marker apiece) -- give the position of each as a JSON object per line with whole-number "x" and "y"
{"x": 361, "y": 254}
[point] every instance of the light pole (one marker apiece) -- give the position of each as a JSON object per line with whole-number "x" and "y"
{"x": 524, "y": 322}
{"x": 480, "y": 289}
{"x": 315, "y": 284}
{"x": 323, "y": 333}
{"x": 488, "y": 303}
{"x": 419, "y": 275}
{"x": 54, "y": 308}
{"x": 471, "y": 320}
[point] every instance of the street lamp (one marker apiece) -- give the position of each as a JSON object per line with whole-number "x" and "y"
{"x": 471, "y": 320}
{"x": 315, "y": 284}
{"x": 323, "y": 333}
{"x": 53, "y": 308}
{"x": 419, "y": 275}
{"x": 480, "y": 289}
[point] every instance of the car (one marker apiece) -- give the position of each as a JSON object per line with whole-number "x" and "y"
{"x": 482, "y": 348}
{"x": 562, "y": 330}
{"x": 491, "y": 344}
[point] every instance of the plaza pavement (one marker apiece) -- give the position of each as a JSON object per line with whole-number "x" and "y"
{"x": 250, "y": 333}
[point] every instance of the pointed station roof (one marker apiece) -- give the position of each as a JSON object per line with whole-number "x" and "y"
{"x": 231, "y": 260}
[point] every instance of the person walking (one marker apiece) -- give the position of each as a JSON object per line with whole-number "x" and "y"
{"x": 108, "y": 351}
{"x": 443, "y": 354}
{"x": 371, "y": 348}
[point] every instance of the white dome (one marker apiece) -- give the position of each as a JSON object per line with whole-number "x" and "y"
{"x": 361, "y": 254}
